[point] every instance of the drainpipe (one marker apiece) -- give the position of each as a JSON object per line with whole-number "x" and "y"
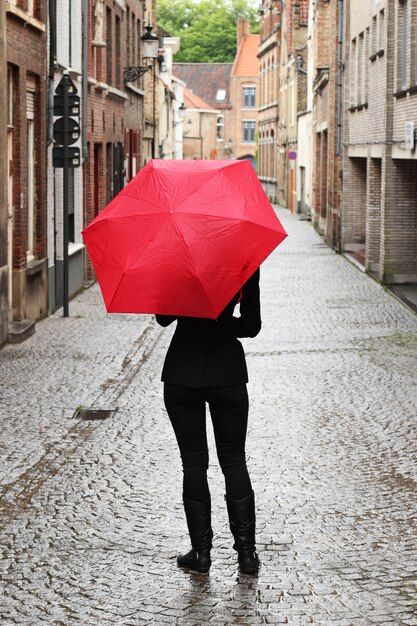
{"x": 340, "y": 7}
{"x": 84, "y": 84}
{"x": 51, "y": 70}
{"x": 339, "y": 77}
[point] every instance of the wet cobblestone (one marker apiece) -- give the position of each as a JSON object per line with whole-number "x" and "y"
{"x": 91, "y": 513}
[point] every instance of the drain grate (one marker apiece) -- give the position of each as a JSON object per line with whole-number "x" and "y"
{"x": 94, "y": 414}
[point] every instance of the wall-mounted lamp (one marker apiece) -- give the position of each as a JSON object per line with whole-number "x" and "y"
{"x": 181, "y": 112}
{"x": 150, "y": 43}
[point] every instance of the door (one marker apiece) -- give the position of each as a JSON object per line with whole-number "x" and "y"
{"x": 97, "y": 166}
{"x": 10, "y": 166}
{"x": 302, "y": 189}
{"x": 10, "y": 217}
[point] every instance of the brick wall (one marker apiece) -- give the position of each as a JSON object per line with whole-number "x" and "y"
{"x": 26, "y": 54}
{"x": 115, "y": 110}
{"x": 375, "y": 135}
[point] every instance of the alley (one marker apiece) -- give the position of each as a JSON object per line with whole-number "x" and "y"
{"x": 91, "y": 522}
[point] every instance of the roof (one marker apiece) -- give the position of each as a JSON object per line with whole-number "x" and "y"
{"x": 192, "y": 101}
{"x": 246, "y": 61}
{"x": 205, "y": 80}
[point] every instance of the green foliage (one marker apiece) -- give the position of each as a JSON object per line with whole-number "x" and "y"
{"x": 207, "y": 28}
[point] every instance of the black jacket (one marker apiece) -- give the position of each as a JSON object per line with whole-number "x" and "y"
{"x": 206, "y": 352}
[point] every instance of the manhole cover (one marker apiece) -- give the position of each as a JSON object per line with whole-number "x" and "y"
{"x": 94, "y": 414}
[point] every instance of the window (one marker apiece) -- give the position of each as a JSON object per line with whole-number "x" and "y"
{"x": 118, "y": 64}
{"x": 353, "y": 73}
{"x": 109, "y": 47}
{"x": 9, "y": 96}
{"x": 249, "y": 97}
{"x": 365, "y": 64}
{"x": 249, "y": 131}
{"x": 138, "y": 39}
{"x": 128, "y": 57}
{"x": 221, "y": 95}
{"x": 220, "y": 127}
{"x": 403, "y": 42}
{"x": 381, "y": 30}
{"x": 374, "y": 45}
{"x": 71, "y": 203}
{"x": 360, "y": 68}
{"x": 30, "y": 146}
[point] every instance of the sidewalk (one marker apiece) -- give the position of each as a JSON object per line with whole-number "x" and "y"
{"x": 91, "y": 513}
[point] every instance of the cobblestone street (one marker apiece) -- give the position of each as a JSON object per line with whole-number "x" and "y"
{"x": 91, "y": 523}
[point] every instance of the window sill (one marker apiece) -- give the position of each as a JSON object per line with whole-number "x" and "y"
{"x": 34, "y": 267}
{"x": 113, "y": 91}
{"x": 73, "y": 248}
{"x": 406, "y": 91}
{"x": 102, "y": 86}
{"x": 375, "y": 55}
{"x": 25, "y": 17}
{"x": 358, "y": 107}
{"x": 135, "y": 89}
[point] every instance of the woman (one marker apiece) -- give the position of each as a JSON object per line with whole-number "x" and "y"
{"x": 206, "y": 363}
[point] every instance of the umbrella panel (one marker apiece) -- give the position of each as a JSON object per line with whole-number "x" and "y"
{"x": 186, "y": 258}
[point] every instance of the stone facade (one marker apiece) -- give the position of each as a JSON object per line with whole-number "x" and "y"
{"x": 199, "y": 128}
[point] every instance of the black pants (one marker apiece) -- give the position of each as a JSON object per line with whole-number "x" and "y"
{"x": 229, "y": 407}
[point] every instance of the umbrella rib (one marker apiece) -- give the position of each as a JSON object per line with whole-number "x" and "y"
{"x": 198, "y": 187}
{"x": 191, "y": 262}
{"x": 116, "y": 290}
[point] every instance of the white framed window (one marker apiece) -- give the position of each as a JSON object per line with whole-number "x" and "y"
{"x": 248, "y": 131}
{"x": 30, "y": 127}
{"x": 221, "y": 95}
{"x": 249, "y": 97}
{"x": 220, "y": 127}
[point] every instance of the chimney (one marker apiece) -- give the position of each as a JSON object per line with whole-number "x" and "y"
{"x": 242, "y": 29}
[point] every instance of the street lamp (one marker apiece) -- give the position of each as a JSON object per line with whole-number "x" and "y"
{"x": 181, "y": 112}
{"x": 150, "y": 43}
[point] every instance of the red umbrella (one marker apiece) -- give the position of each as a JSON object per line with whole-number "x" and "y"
{"x": 182, "y": 237}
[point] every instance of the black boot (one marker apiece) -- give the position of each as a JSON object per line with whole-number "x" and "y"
{"x": 198, "y": 516}
{"x": 242, "y": 524}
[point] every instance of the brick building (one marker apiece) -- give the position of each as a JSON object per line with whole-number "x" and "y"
{"x": 211, "y": 82}
{"x": 327, "y": 99}
{"x": 4, "y": 269}
{"x": 26, "y": 156}
{"x": 268, "y": 54}
{"x": 116, "y": 115}
{"x": 379, "y": 212}
{"x": 292, "y": 96}
{"x": 199, "y": 128}
{"x": 244, "y": 93}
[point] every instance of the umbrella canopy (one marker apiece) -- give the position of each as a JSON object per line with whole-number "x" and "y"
{"x": 182, "y": 238}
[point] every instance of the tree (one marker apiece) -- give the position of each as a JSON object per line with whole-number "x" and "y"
{"x": 207, "y": 28}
